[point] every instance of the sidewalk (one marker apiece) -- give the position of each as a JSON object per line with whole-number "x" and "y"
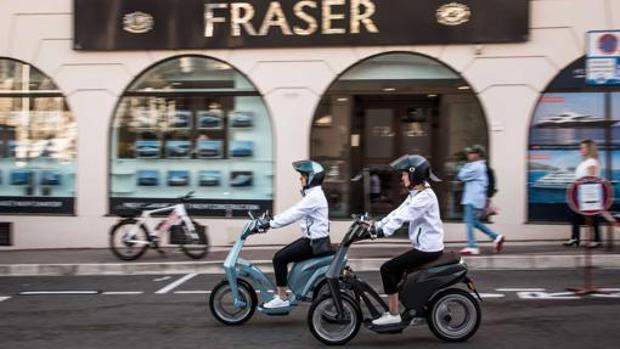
{"x": 362, "y": 257}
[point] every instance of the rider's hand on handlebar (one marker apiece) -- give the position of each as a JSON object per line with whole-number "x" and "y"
{"x": 374, "y": 231}
{"x": 263, "y": 224}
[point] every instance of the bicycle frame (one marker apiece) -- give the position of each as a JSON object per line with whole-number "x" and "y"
{"x": 178, "y": 213}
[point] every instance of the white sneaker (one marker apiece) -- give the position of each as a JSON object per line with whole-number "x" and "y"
{"x": 470, "y": 251}
{"x": 387, "y": 319}
{"x": 277, "y": 302}
{"x": 499, "y": 243}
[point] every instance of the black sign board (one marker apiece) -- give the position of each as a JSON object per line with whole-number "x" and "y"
{"x": 36, "y": 205}
{"x": 196, "y": 207}
{"x": 203, "y": 24}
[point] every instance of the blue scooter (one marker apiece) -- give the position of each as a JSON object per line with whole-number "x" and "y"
{"x": 233, "y": 300}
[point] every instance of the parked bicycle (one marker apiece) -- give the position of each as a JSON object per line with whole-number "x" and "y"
{"x": 138, "y": 230}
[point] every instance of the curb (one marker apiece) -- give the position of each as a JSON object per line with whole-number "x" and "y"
{"x": 506, "y": 262}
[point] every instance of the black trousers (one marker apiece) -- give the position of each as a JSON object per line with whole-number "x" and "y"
{"x": 392, "y": 271}
{"x": 297, "y": 251}
{"x": 578, "y": 220}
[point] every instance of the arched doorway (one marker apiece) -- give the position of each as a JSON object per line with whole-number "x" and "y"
{"x": 192, "y": 123}
{"x": 386, "y": 106}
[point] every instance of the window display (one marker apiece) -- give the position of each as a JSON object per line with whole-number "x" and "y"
{"x": 37, "y": 143}
{"x": 567, "y": 113}
{"x": 203, "y": 126}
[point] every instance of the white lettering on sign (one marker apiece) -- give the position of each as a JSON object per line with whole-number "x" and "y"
{"x": 333, "y": 16}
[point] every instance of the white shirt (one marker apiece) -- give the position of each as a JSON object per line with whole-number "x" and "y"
{"x": 582, "y": 169}
{"x": 311, "y": 211}
{"x": 421, "y": 210}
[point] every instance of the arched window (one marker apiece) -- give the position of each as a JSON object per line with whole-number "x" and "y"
{"x": 568, "y": 112}
{"x": 192, "y": 123}
{"x": 37, "y": 143}
{"x": 386, "y": 106}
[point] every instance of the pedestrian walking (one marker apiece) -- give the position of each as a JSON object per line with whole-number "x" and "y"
{"x": 474, "y": 175}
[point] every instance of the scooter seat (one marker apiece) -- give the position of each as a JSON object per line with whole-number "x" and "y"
{"x": 445, "y": 259}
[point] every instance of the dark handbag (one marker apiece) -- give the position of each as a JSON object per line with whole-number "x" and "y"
{"x": 321, "y": 246}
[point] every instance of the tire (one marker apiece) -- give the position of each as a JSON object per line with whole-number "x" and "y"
{"x": 128, "y": 251}
{"x": 440, "y": 316}
{"x": 200, "y": 249}
{"x": 222, "y": 310}
{"x": 318, "y": 324}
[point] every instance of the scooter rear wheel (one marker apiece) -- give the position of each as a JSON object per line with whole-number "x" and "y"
{"x": 323, "y": 323}
{"x": 454, "y": 315}
{"x": 222, "y": 306}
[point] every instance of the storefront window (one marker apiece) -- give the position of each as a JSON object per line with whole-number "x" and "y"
{"x": 192, "y": 124}
{"x": 568, "y": 112}
{"x": 37, "y": 143}
{"x": 384, "y": 107}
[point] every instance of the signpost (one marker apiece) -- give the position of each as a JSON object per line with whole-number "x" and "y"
{"x": 589, "y": 196}
{"x": 603, "y": 65}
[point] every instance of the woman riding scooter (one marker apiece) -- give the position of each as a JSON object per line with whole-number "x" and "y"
{"x": 312, "y": 212}
{"x": 421, "y": 210}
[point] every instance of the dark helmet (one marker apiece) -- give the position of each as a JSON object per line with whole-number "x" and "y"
{"x": 476, "y": 149}
{"x": 312, "y": 170}
{"x": 418, "y": 168}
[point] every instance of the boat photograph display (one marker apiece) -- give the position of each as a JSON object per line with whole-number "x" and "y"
{"x": 180, "y": 119}
{"x": 241, "y": 119}
{"x": 21, "y": 177}
{"x": 568, "y": 118}
{"x": 208, "y": 149}
{"x": 50, "y": 178}
{"x": 178, "y": 149}
{"x": 241, "y": 179}
{"x": 210, "y": 120}
{"x": 148, "y": 178}
{"x": 241, "y": 149}
{"x": 209, "y": 178}
{"x": 147, "y": 149}
{"x": 178, "y": 178}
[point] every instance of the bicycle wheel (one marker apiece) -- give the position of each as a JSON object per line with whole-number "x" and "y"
{"x": 128, "y": 240}
{"x": 195, "y": 248}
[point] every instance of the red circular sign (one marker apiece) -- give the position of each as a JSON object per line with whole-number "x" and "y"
{"x": 590, "y": 195}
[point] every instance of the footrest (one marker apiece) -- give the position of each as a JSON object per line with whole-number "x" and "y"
{"x": 388, "y": 329}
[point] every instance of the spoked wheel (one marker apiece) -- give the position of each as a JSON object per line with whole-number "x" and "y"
{"x": 325, "y": 325}
{"x": 128, "y": 240}
{"x": 195, "y": 248}
{"x": 222, "y": 304}
{"x": 454, "y": 315}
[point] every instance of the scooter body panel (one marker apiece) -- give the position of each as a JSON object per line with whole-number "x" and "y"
{"x": 421, "y": 286}
{"x": 305, "y": 274}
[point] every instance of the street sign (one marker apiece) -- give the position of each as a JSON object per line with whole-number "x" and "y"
{"x": 590, "y": 195}
{"x": 603, "y": 65}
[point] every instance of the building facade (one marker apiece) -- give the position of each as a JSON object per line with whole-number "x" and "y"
{"x": 87, "y": 132}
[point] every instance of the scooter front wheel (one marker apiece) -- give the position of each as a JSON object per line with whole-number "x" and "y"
{"x": 454, "y": 315}
{"x": 324, "y": 323}
{"x": 223, "y": 308}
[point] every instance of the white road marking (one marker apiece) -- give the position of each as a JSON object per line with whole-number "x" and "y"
{"x": 547, "y": 296}
{"x": 520, "y": 289}
{"x": 175, "y": 284}
{"x": 2, "y": 299}
{"x": 35, "y": 293}
{"x": 122, "y": 292}
{"x": 163, "y": 278}
{"x": 193, "y": 292}
{"x": 610, "y": 289}
{"x": 490, "y": 295}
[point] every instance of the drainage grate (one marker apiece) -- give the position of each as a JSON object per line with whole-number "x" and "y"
{"x": 6, "y": 229}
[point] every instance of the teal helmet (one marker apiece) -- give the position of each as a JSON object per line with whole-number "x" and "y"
{"x": 418, "y": 168}
{"x": 314, "y": 172}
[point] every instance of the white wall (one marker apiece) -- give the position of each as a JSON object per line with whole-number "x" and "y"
{"x": 508, "y": 79}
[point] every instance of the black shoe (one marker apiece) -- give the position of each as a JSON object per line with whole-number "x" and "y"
{"x": 571, "y": 242}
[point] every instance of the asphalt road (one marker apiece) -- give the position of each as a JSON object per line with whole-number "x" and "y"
{"x": 521, "y": 310}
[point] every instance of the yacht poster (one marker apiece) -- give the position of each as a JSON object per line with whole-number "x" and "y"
{"x": 568, "y": 118}
{"x": 615, "y": 115}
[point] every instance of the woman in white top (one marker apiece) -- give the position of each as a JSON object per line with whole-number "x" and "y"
{"x": 421, "y": 211}
{"x": 590, "y": 166}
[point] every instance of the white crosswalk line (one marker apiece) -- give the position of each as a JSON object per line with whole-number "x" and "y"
{"x": 123, "y": 292}
{"x": 193, "y": 292}
{"x": 36, "y": 293}
{"x": 2, "y": 299}
{"x": 520, "y": 289}
{"x": 175, "y": 284}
